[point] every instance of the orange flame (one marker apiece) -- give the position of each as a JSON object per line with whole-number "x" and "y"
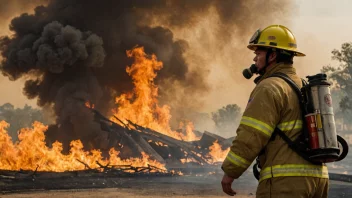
{"x": 141, "y": 106}
{"x": 188, "y": 160}
{"x": 216, "y": 153}
{"x": 189, "y": 134}
{"x": 89, "y": 105}
{"x": 31, "y": 152}
{"x": 161, "y": 144}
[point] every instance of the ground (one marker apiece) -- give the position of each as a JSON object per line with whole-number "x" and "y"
{"x": 177, "y": 187}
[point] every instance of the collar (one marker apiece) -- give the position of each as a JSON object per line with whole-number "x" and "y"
{"x": 276, "y": 68}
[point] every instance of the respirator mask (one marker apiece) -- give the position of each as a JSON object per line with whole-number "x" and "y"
{"x": 249, "y": 72}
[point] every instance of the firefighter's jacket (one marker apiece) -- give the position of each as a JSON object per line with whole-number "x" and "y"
{"x": 272, "y": 103}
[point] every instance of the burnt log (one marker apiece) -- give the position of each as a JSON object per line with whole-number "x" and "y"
{"x": 187, "y": 148}
{"x": 134, "y": 139}
{"x": 227, "y": 142}
{"x": 148, "y": 149}
{"x": 163, "y": 148}
{"x": 209, "y": 138}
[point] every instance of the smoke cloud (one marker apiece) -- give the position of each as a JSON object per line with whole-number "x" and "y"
{"x": 73, "y": 51}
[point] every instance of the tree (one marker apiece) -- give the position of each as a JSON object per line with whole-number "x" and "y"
{"x": 342, "y": 76}
{"x": 19, "y": 118}
{"x": 227, "y": 119}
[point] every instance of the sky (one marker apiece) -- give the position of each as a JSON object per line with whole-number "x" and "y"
{"x": 319, "y": 27}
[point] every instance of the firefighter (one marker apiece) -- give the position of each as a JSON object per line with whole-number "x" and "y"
{"x": 273, "y": 103}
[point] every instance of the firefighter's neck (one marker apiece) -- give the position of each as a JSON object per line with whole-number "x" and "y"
{"x": 271, "y": 61}
{"x": 265, "y": 72}
{"x": 270, "y": 65}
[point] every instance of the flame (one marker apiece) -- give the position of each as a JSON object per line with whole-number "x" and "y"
{"x": 188, "y": 160}
{"x": 189, "y": 134}
{"x": 176, "y": 172}
{"x": 141, "y": 106}
{"x": 89, "y": 105}
{"x": 161, "y": 144}
{"x": 31, "y": 153}
{"x": 216, "y": 153}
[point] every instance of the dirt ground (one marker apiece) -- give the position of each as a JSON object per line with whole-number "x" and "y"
{"x": 179, "y": 187}
{"x": 113, "y": 192}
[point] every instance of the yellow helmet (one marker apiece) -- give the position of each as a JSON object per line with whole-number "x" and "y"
{"x": 275, "y": 36}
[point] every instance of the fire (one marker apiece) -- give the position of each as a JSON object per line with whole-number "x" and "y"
{"x": 161, "y": 144}
{"x": 89, "y": 105}
{"x": 176, "y": 172}
{"x": 141, "y": 106}
{"x": 189, "y": 134}
{"x": 31, "y": 153}
{"x": 188, "y": 160}
{"x": 216, "y": 153}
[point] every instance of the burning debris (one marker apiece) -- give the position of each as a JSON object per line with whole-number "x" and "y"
{"x": 149, "y": 144}
{"x": 30, "y": 161}
{"x": 138, "y": 146}
{"x": 31, "y": 153}
{"x": 150, "y": 148}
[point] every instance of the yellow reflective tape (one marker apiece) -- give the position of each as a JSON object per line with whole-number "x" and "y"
{"x": 289, "y": 170}
{"x": 294, "y": 172}
{"x": 257, "y": 124}
{"x": 286, "y": 126}
{"x": 319, "y": 124}
{"x": 237, "y": 160}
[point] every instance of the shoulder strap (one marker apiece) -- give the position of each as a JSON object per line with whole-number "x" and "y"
{"x": 291, "y": 83}
{"x": 293, "y": 145}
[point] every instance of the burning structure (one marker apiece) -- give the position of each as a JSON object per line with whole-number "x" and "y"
{"x": 122, "y": 145}
{"x": 138, "y": 144}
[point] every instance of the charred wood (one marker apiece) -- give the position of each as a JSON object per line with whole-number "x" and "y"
{"x": 131, "y": 139}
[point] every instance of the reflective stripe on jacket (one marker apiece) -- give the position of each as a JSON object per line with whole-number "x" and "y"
{"x": 294, "y": 170}
{"x": 273, "y": 103}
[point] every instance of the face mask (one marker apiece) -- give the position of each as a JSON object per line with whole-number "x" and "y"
{"x": 248, "y": 72}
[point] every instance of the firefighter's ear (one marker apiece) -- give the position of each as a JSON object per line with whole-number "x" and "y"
{"x": 272, "y": 57}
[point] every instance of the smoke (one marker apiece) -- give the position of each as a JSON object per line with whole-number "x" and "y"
{"x": 217, "y": 36}
{"x": 73, "y": 51}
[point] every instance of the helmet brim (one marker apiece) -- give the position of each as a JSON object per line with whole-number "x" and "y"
{"x": 255, "y": 46}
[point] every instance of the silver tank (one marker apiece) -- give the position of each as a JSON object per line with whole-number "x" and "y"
{"x": 327, "y": 115}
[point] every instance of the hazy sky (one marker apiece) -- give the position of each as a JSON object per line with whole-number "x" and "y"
{"x": 319, "y": 26}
